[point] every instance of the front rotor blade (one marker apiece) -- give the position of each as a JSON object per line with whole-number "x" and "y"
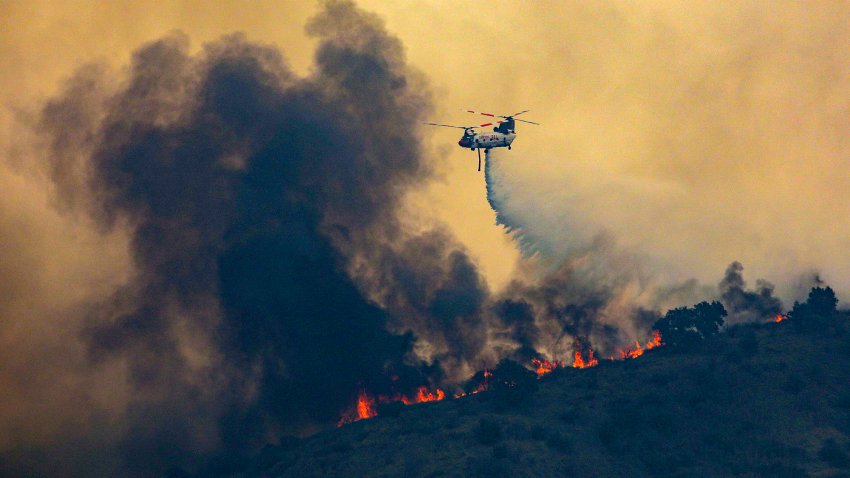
{"x": 526, "y": 121}
{"x": 480, "y": 113}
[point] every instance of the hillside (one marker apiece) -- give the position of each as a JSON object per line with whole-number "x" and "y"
{"x": 757, "y": 400}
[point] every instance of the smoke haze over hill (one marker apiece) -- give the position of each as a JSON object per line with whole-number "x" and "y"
{"x": 206, "y": 248}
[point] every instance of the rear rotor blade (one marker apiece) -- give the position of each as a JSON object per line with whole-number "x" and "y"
{"x": 515, "y": 114}
{"x": 497, "y": 116}
{"x": 450, "y": 125}
{"x": 526, "y": 121}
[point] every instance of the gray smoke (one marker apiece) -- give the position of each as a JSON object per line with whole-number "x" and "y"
{"x": 270, "y": 274}
{"x": 246, "y": 194}
{"x": 747, "y": 305}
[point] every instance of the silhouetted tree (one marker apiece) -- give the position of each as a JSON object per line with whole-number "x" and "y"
{"x": 686, "y": 326}
{"x": 818, "y": 310}
{"x": 512, "y": 383}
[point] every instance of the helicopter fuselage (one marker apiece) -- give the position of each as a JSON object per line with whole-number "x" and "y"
{"x": 488, "y": 140}
{"x": 504, "y": 133}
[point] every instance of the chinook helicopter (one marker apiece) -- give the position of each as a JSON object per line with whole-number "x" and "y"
{"x": 502, "y": 136}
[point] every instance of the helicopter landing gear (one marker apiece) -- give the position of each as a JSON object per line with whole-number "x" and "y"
{"x": 509, "y": 148}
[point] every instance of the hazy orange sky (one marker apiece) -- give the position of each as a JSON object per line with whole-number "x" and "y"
{"x": 693, "y": 134}
{"x": 675, "y": 138}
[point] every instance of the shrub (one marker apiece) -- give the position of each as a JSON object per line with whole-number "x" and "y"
{"x": 538, "y": 432}
{"x": 392, "y": 409}
{"x": 843, "y": 402}
{"x": 749, "y": 344}
{"x": 663, "y": 423}
{"x": 500, "y": 451}
{"x": 779, "y": 470}
{"x": 340, "y": 446}
{"x": 486, "y": 467}
{"x": 488, "y": 432}
{"x": 569, "y": 416}
{"x": 687, "y": 326}
{"x": 658, "y": 379}
{"x": 559, "y": 442}
{"x": 831, "y": 453}
{"x": 794, "y": 385}
{"x": 609, "y": 433}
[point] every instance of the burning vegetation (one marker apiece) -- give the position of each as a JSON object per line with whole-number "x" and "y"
{"x": 695, "y": 401}
{"x": 679, "y": 327}
{"x": 543, "y": 366}
{"x": 583, "y": 357}
{"x": 367, "y": 404}
{"x": 582, "y": 360}
{"x": 480, "y": 383}
{"x": 655, "y": 341}
{"x": 423, "y": 395}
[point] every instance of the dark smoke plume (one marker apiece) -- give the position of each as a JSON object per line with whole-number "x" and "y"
{"x": 248, "y": 193}
{"x": 272, "y": 279}
{"x": 747, "y": 305}
{"x": 577, "y": 302}
{"x": 433, "y": 289}
{"x": 272, "y": 276}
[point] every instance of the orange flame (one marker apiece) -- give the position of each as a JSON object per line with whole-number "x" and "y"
{"x": 424, "y": 395}
{"x": 365, "y": 409}
{"x": 655, "y": 341}
{"x": 366, "y": 404}
{"x": 543, "y": 366}
{"x": 482, "y": 387}
{"x": 580, "y": 362}
{"x": 636, "y": 352}
{"x": 779, "y": 318}
{"x": 632, "y": 353}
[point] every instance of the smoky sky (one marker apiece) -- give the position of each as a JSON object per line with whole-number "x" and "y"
{"x": 694, "y": 136}
{"x": 271, "y": 276}
{"x": 243, "y": 190}
{"x": 213, "y": 250}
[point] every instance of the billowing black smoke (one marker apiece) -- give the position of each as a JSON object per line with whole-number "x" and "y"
{"x": 247, "y": 192}
{"x": 571, "y": 307}
{"x": 747, "y": 305}
{"x": 272, "y": 276}
{"x": 433, "y": 289}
